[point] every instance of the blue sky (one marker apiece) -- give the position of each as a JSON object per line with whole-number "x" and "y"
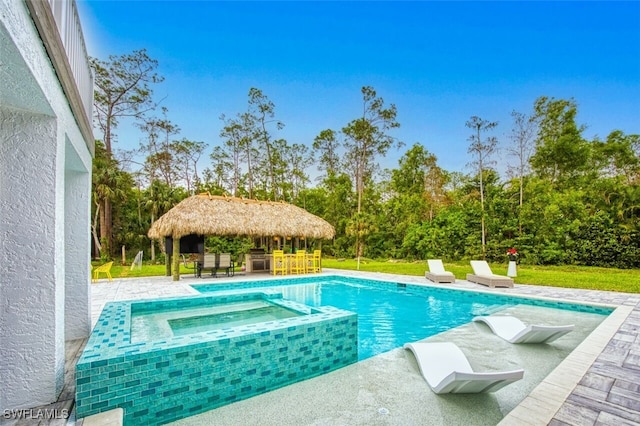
{"x": 439, "y": 62}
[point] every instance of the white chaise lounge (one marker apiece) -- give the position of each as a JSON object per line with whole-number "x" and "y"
{"x": 446, "y": 369}
{"x": 482, "y": 275}
{"x": 437, "y": 274}
{"x": 513, "y": 330}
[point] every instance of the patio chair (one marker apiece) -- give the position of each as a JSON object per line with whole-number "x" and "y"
{"x": 104, "y": 269}
{"x": 437, "y": 273}
{"x": 225, "y": 263}
{"x": 191, "y": 262}
{"x": 209, "y": 261}
{"x": 513, "y": 330}
{"x": 482, "y": 275}
{"x": 447, "y": 370}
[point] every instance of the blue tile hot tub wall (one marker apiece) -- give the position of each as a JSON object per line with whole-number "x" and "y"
{"x": 158, "y": 382}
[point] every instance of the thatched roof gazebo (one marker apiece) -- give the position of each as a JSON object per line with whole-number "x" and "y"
{"x": 206, "y": 214}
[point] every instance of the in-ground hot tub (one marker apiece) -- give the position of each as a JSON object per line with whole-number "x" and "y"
{"x": 166, "y": 359}
{"x": 151, "y": 323}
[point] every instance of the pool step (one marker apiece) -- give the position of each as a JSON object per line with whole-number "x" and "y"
{"x": 490, "y": 310}
{"x": 106, "y": 418}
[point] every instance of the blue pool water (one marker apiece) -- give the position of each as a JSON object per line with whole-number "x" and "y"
{"x": 388, "y": 319}
{"x": 196, "y": 324}
{"x": 163, "y": 324}
{"x": 389, "y": 314}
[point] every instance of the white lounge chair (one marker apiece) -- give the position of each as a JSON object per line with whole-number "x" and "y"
{"x": 482, "y": 275}
{"x": 437, "y": 274}
{"x": 446, "y": 370}
{"x": 513, "y": 330}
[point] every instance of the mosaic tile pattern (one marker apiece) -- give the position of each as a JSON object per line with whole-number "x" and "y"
{"x": 161, "y": 381}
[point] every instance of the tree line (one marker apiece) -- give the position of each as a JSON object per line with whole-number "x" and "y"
{"x": 564, "y": 199}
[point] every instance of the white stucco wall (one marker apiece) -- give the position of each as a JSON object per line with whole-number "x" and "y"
{"x": 31, "y": 333}
{"x": 45, "y": 183}
{"x": 77, "y": 248}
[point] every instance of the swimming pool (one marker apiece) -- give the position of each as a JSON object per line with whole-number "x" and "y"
{"x": 158, "y": 379}
{"x": 392, "y": 314}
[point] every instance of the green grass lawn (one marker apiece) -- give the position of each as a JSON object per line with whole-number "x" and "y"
{"x": 585, "y": 277}
{"x": 119, "y": 271}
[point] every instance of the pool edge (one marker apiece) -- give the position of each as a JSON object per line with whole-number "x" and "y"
{"x": 544, "y": 401}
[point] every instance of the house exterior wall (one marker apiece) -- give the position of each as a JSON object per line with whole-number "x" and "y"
{"x": 77, "y": 254}
{"x": 45, "y": 180}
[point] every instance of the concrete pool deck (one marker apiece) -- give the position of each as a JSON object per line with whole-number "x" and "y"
{"x": 596, "y": 384}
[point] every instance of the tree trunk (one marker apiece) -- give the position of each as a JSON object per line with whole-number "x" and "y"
{"x": 94, "y": 231}
{"x": 103, "y": 227}
{"x": 153, "y": 245}
{"x": 106, "y": 228}
{"x": 106, "y": 224}
{"x": 521, "y": 202}
{"x": 484, "y": 248}
{"x": 249, "y": 172}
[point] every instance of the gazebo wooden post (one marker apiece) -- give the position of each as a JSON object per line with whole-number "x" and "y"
{"x": 167, "y": 262}
{"x": 176, "y": 259}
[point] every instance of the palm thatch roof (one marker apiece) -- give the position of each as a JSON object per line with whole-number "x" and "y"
{"x": 206, "y": 214}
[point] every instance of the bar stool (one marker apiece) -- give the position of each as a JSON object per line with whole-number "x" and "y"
{"x": 299, "y": 265}
{"x": 316, "y": 265}
{"x": 279, "y": 262}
